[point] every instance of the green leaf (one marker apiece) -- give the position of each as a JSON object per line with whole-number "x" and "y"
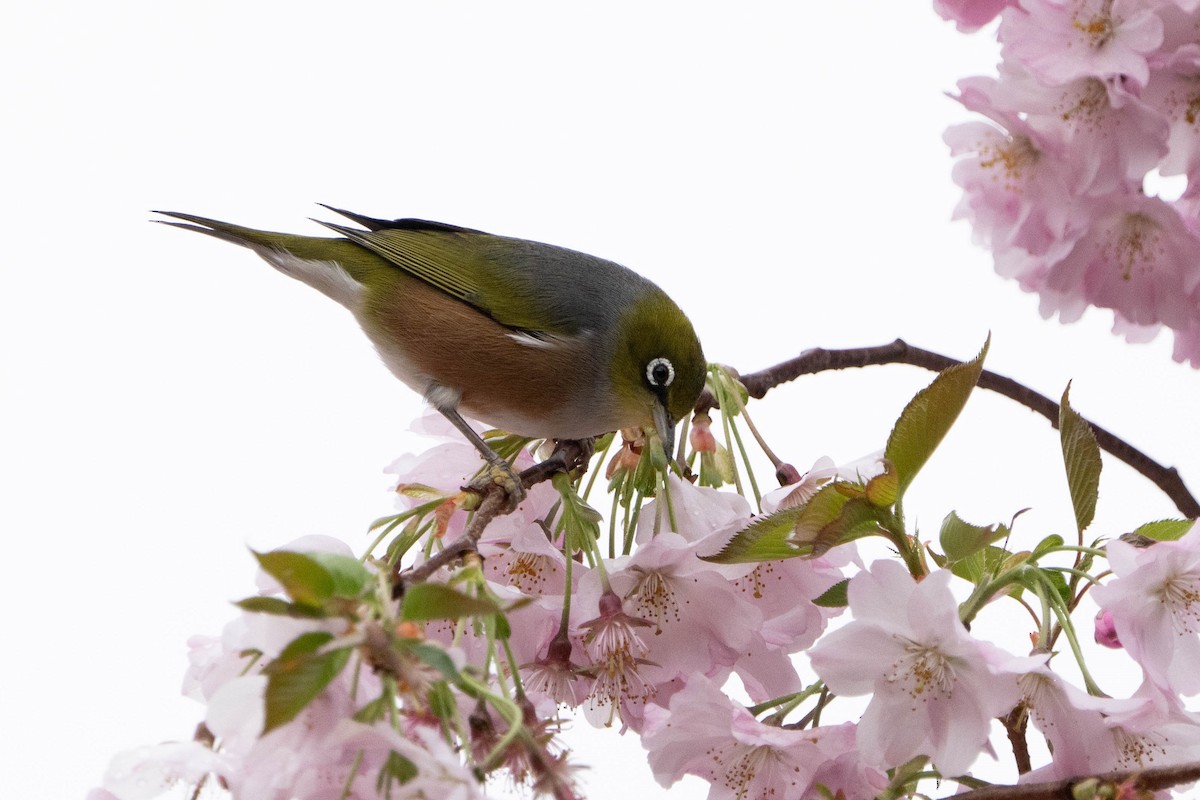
{"x": 831, "y": 517}
{"x": 1081, "y": 456}
{"x": 765, "y": 539}
{"x": 927, "y": 418}
{"x": 961, "y": 539}
{"x": 436, "y": 601}
{"x": 298, "y": 675}
{"x": 278, "y": 606}
{"x": 1047, "y": 545}
{"x": 350, "y": 577}
{"x": 442, "y": 702}
{"x": 312, "y": 579}
{"x": 884, "y": 489}
{"x": 303, "y": 578}
{"x": 396, "y": 770}
{"x": 836, "y": 596}
{"x": 987, "y": 563}
{"x": 1165, "y": 530}
{"x": 436, "y": 657}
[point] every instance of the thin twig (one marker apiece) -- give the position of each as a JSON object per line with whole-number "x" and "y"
{"x": 568, "y": 456}
{"x": 1150, "y": 780}
{"x": 900, "y": 352}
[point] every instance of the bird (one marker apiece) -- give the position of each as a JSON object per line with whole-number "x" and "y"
{"x": 535, "y": 339}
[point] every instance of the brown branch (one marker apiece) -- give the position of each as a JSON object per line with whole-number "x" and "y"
{"x": 900, "y": 352}
{"x": 1147, "y": 780}
{"x": 568, "y": 455}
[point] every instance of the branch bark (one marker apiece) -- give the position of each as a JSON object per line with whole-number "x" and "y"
{"x": 568, "y": 455}
{"x": 900, "y": 352}
{"x": 1147, "y": 780}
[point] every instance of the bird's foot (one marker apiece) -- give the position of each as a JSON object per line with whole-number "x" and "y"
{"x": 498, "y": 478}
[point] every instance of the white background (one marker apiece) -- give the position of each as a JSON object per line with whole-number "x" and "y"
{"x": 168, "y": 399}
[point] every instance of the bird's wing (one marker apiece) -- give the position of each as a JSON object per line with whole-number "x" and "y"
{"x": 530, "y": 287}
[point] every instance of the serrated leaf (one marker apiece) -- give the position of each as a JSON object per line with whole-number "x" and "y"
{"x": 987, "y": 564}
{"x": 927, "y": 418}
{"x": 1165, "y": 530}
{"x": 857, "y": 518}
{"x": 787, "y": 533}
{"x": 302, "y": 577}
{"x": 426, "y": 601}
{"x": 829, "y": 518}
{"x": 883, "y": 490}
{"x": 765, "y": 539}
{"x": 298, "y": 675}
{"x": 836, "y": 596}
{"x": 961, "y": 539}
{"x": 1081, "y": 456}
{"x": 278, "y": 606}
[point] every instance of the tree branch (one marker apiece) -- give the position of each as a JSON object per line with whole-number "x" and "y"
{"x": 568, "y": 455}
{"x": 900, "y": 352}
{"x": 1149, "y": 780}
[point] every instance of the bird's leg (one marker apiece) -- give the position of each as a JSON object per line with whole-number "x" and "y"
{"x": 498, "y": 471}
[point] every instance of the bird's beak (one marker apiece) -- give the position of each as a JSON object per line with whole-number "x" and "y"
{"x": 665, "y": 429}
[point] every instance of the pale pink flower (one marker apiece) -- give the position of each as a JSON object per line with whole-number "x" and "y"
{"x": 1016, "y": 181}
{"x": 1060, "y": 41}
{"x": 696, "y": 512}
{"x": 971, "y": 15}
{"x": 1114, "y": 138}
{"x": 618, "y": 661}
{"x": 1094, "y": 735}
{"x": 704, "y": 733}
{"x": 1155, "y": 605}
{"x": 1137, "y": 258}
{"x": 701, "y": 622}
{"x": 935, "y": 688}
{"x": 1174, "y": 91}
{"x": 820, "y": 473}
{"x": 149, "y": 772}
{"x": 1187, "y": 344}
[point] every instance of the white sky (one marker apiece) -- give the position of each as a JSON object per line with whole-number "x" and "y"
{"x": 168, "y": 399}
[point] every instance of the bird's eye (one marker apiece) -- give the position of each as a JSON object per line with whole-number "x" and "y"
{"x": 660, "y": 372}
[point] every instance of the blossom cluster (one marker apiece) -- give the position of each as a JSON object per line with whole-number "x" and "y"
{"x": 706, "y": 659}
{"x": 1094, "y": 105}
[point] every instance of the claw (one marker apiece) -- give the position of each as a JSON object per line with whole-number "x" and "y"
{"x": 499, "y": 477}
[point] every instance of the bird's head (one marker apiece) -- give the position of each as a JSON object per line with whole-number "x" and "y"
{"x": 658, "y": 368}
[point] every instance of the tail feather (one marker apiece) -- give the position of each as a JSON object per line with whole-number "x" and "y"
{"x": 335, "y": 267}
{"x": 370, "y": 223}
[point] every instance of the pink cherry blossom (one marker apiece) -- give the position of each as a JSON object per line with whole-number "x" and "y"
{"x": 1137, "y": 258}
{"x": 971, "y": 15}
{"x": 1174, "y": 91}
{"x": 149, "y": 772}
{"x": 1016, "y": 180}
{"x": 1094, "y": 735}
{"x": 705, "y": 733}
{"x": 935, "y": 688}
{"x": 1060, "y": 41}
{"x": 1155, "y": 606}
{"x": 696, "y": 512}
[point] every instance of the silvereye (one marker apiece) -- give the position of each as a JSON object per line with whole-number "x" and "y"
{"x": 534, "y": 339}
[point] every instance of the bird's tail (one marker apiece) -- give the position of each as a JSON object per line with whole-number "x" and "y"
{"x": 335, "y": 267}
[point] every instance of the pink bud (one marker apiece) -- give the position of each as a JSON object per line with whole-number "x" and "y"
{"x": 1106, "y": 630}
{"x": 700, "y": 436}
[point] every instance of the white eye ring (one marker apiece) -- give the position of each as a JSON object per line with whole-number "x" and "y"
{"x": 655, "y": 364}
